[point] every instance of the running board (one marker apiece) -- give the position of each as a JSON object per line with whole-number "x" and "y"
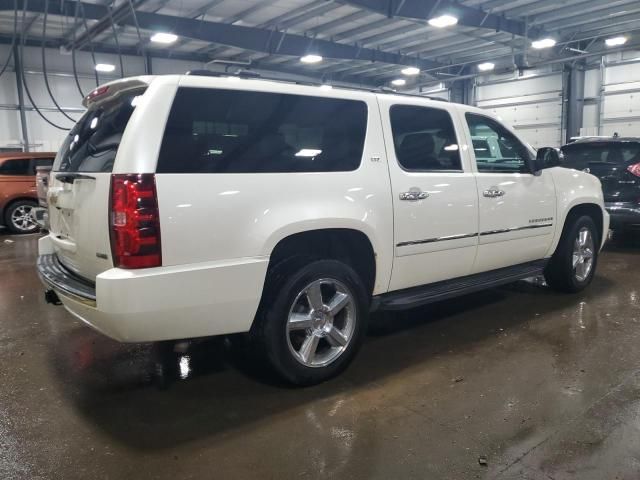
{"x": 435, "y": 292}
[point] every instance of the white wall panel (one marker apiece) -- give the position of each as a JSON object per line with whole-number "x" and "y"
{"x": 532, "y": 105}
{"x": 620, "y": 110}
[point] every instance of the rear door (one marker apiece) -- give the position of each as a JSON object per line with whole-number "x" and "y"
{"x": 79, "y": 188}
{"x": 610, "y": 162}
{"x": 435, "y": 201}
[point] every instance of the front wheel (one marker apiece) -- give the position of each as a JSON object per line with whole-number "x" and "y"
{"x": 313, "y": 320}
{"x": 573, "y": 265}
{"x": 18, "y": 217}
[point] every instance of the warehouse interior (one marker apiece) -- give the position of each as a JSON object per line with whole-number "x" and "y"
{"x": 516, "y": 382}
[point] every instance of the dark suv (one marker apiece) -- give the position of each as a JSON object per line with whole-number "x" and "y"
{"x": 616, "y": 162}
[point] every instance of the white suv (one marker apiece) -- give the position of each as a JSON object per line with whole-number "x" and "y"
{"x": 185, "y": 206}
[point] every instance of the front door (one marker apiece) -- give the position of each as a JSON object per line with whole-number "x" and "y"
{"x": 517, "y": 208}
{"x": 434, "y": 195}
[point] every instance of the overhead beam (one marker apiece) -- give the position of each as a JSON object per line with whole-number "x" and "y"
{"x": 36, "y": 42}
{"x": 248, "y": 38}
{"x": 422, "y": 10}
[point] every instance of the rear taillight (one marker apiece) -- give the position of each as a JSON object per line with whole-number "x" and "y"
{"x": 634, "y": 169}
{"x": 135, "y": 221}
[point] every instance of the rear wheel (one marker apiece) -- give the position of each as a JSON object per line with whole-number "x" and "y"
{"x": 573, "y": 265}
{"x": 18, "y": 217}
{"x": 313, "y": 320}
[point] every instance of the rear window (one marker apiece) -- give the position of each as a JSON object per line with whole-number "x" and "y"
{"x": 229, "y": 131}
{"x": 581, "y": 155}
{"x": 92, "y": 144}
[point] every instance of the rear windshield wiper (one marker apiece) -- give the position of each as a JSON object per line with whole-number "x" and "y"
{"x": 72, "y": 177}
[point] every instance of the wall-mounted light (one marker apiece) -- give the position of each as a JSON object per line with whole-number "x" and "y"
{"x": 311, "y": 58}
{"x": 486, "y": 67}
{"x": 443, "y": 21}
{"x": 105, "y": 67}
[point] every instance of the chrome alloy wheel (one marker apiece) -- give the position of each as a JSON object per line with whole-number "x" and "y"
{"x": 321, "y": 323}
{"x": 21, "y": 219}
{"x": 583, "y": 252}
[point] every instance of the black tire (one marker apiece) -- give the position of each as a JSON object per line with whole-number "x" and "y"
{"x": 560, "y": 273}
{"x": 283, "y": 289}
{"x": 16, "y": 208}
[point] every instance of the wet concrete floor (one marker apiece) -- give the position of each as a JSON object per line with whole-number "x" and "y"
{"x": 546, "y": 386}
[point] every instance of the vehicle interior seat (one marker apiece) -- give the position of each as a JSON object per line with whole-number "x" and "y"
{"x": 416, "y": 152}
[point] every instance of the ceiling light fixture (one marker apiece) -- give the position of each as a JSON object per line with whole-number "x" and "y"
{"x": 443, "y": 21}
{"x": 543, "y": 43}
{"x": 311, "y": 58}
{"x": 105, "y": 67}
{"x": 164, "y": 37}
{"x": 410, "y": 71}
{"x": 399, "y": 82}
{"x": 486, "y": 67}
{"x": 615, "y": 41}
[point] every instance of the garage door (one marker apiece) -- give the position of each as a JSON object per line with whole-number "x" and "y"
{"x": 532, "y": 105}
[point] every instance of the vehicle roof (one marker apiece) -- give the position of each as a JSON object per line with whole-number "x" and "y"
{"x": 597, "y": 139}
{"x": 19, "y": 155}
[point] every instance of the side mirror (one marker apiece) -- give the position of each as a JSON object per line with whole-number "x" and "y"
{"x": 547, "y": 157}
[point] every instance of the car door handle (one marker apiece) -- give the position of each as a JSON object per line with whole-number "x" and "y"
{"x": 413, "y": 195}
{"x": 493, "y": 192}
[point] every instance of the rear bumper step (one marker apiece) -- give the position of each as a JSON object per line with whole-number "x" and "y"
{"x": 65, "y": 282}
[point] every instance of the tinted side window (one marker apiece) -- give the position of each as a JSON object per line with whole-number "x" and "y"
{"x": 228, "y": 131}
{"x": 496, "y": 149}
{"x": 15, "y": 167}
{"x": 424, "y": 139}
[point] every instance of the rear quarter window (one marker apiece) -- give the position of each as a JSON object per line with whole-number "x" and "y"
{"x": 232, "y": 131}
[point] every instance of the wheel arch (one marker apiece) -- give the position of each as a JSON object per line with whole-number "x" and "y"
{"x": 350, "y": 245}
{"x": 588, "y": 208}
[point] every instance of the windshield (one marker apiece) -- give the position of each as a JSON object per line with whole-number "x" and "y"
{"x": 92, "y": 144}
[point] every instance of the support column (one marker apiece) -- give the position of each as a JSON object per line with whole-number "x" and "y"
{"x": 17, "y": 65}
{"x": 462, "y": 91}
{"x": 575, "y": 101}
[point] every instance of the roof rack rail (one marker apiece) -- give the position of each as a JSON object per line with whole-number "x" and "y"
{"x": 209, "y": 73}
{"x": 250, "y": 74}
